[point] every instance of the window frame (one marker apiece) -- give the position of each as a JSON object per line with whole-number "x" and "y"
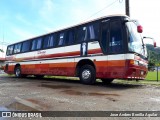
{"x": 73, "y": 30}
{"x": 122, "y": 36}
{"x": 88, "y": 32}
{"x": 29, "y": 46}
{"x": 20, "y": 48}
{"x": 36, "y": 39}
{"x": 105, "y": 50}
{"x": 64, "y": 38}
{"x": 55, "y": 39}
{"x": 12, "y": 50}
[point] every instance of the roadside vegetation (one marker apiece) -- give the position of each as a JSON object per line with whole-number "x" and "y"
{"x": 152, "y": 76}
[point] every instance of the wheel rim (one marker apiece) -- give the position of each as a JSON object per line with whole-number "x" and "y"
{"x": 18, "y": 72}
{"x": 86, "y": 74}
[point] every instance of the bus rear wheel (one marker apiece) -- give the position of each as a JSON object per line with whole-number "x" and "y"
{"x": 107, "y": 81}
{"x": 87, "y": 74}
{"x": 18, "y": 72}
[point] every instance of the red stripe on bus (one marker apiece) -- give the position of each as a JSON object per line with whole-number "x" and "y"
{"x": 66, "y": 54}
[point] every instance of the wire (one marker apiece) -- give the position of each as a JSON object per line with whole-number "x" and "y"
{"x": 102, "y": 9}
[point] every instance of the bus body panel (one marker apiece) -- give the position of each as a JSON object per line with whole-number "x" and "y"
{"x": 110, "y": 66}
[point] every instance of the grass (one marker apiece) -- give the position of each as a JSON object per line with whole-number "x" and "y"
{"x": 140, "y": 82}
{"x": 153, "y": 76}
{"x": 62, "y": 77}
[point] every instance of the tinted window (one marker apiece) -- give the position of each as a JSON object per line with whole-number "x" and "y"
{"x": 17, "y": 48}
{"x": 134, "y": 39}
{"x": 93, "y": 31}
{"x": 70, "y": 38}
{"x": 104, "y": 39}
{"x": 81, "y": 34}
{"x": 10, "y": 50}
{"x": 26, "y": 46}
{"x": 49, "y": 41}
{"x": 115, "y": 43}
{"x": 36, "y": 44}
{"x": 88, "y": 32}
{"x": 61, "y": 38}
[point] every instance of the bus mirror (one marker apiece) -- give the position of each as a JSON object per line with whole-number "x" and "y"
{"x": 154, "y": 42}
{"x": 139, "y": 29}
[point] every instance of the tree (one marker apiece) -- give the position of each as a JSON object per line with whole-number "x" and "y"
{"x": 1, "y": 50}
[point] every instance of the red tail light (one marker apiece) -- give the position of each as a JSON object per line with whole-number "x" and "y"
{"x": 139, "y": 29}
{"x": 155, "y": 44}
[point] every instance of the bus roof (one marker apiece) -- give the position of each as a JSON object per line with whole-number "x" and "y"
{"x": 108, "y": 16}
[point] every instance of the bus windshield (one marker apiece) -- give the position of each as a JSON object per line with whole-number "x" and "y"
{"x": 135, "y": 43}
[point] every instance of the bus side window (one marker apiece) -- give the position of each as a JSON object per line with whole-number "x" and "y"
{"x": 17, "y": 48}
{"x": 36, "y": 44}
{"x": 61, "y": 38}
{"x": 104, "y": 36}
{"x": 87, "y": 33}
{"x": 70, "y": 37}
{"x": 49, "y": 41}
{"x": 93, "y": 31}
{"x": 10, "y": 50}
{"x": 115, "y": 42}
{"x": 82, "y": 34}
{"x": 26, "y": 46}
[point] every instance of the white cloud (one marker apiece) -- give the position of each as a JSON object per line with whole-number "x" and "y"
{"x": 23, "y": 20}
{"x": 22, "y": 34}
{"x": 47, "y": 10}
{"x": 93, "y": 9}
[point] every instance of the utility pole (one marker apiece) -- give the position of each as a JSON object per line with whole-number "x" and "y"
{"x": 127, "y": 7}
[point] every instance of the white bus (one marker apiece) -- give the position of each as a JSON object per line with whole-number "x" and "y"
{"x": 107, "y": 48}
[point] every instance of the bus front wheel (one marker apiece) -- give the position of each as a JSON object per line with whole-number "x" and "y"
{"x": 87, "y": 74}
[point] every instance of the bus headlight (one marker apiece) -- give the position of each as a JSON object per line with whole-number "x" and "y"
{"x": 134, "y": 62}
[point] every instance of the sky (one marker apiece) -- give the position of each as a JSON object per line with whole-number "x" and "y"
{"x": 24, "y": 19}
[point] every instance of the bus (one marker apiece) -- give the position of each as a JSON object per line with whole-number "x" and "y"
{"x": 106, "y": 48}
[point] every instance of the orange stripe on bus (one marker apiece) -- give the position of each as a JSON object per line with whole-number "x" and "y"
{"x": 111, "y": 63}
{"x": 117, "y": 63}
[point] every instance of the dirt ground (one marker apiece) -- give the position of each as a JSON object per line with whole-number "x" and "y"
{"x": 48, "y": 94}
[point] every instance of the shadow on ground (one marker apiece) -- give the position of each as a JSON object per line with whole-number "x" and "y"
{"x": 114, "y": 85}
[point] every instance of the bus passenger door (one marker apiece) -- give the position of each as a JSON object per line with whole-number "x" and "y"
{"x": 116, "y": 56}
{"x": 102, "y": 63}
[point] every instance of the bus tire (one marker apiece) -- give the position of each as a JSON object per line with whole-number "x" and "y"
{"x": 107, "y": 81}
{"x": 87, "y": 74}
{"x": 17, "y": 72}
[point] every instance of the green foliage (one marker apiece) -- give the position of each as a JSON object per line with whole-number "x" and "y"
{"x": 1, "y": 50}
{"x": 153, "y": 76}
{"x": 153, "y": 55}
